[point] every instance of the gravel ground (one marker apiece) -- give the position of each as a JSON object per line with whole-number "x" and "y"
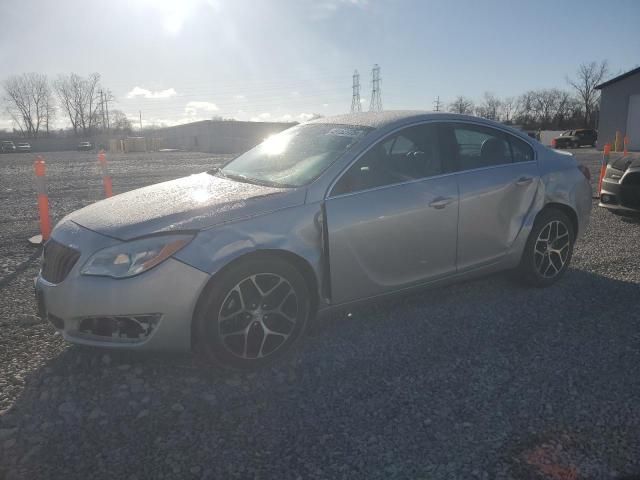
{"x": 482, "y": 380}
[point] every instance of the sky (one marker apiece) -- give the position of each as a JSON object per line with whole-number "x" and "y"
{"x": 281, "y": 60}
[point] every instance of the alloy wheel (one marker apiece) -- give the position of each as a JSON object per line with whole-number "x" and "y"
{"x": 551, "y": 249}
{"x": 257, "y": 316}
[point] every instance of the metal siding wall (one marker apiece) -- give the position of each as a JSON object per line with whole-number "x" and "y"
{"x": 614, "y": 105}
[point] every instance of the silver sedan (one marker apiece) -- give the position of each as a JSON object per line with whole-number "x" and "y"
{"x": 234, "y": 262}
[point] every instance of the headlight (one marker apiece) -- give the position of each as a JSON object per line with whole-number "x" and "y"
{"x": 131, "y": 258}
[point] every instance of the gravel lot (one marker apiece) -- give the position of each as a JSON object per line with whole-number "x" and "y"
{"x": 480, "y": 380}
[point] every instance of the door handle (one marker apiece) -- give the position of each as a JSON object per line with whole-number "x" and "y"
{"x": 522, "y": 181}
{"x": 440, "y": 202}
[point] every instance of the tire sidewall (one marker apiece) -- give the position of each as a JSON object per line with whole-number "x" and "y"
{"x": 527, "y": 264}
{"x": 208, "y": 341}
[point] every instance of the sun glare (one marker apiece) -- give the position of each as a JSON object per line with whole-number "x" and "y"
{"x": 276, "y": 144}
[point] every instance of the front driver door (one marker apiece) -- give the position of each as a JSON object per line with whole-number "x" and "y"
{"x": 392, "y": 217}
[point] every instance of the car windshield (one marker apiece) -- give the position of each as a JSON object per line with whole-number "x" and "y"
{"x": 296, "y": 156}
{"x": 566, "y": 133}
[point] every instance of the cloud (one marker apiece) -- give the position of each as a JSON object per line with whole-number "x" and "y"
{"x": 263, "y": 117}
{"x": 304, "y": 117}
{"x": 325, "y": 8}
{"x": 240, "y": 97}
{"x": 143, "y": 92}
{"x": 192, "y": 108}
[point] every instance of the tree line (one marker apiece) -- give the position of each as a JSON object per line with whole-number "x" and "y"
{"x": 32, "y": 101}
{"x": 547, "y": 108}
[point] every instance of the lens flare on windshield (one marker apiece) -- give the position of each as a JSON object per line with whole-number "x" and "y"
{"x": 276, "y": 144}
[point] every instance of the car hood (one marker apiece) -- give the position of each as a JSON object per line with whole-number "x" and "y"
{"x": 189, "y": 203}
{"x": 624, "y": 163}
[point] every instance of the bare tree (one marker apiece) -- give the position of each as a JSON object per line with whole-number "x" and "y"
{"x": 524, "y": 108}
{"x": 80, "y": 100}
{"x": 461, "y": 105}
{"x": 589, "y": 76}
{"x": 508, "y": 109}
{"x": 564, "y": 108}
{"x": 28, "y": 101}
{"x": 119, "y": 121}
{"x": 490, "y": 107}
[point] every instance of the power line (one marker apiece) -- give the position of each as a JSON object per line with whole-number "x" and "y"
{"x": 355, "y": 98}
{"x": 376, "y": 94}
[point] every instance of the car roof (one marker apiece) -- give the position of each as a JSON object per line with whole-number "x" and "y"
{"x": 389, "y": 118}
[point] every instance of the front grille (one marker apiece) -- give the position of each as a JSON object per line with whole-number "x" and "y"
{"x": 58, "y": 260}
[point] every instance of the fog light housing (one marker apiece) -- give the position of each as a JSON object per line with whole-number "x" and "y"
{"x": 120, "y": 327}
{"x": 606, "y": 198}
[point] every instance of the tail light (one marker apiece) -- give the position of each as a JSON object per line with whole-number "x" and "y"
{"x": 585, "y": 171}
{"x": 553, "y": 143}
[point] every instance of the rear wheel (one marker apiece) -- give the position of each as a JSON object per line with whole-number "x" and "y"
{"x": 548, "y": 250}
{"x": 253, "y": 314}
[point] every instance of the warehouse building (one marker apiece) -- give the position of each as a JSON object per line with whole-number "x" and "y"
{"x": 620, "y": 109}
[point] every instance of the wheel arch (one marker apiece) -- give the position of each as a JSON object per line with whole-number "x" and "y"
{"x": 299, "y": 263}
{"x": 567, "y": 210}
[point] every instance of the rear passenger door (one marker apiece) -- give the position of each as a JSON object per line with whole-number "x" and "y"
{"x": 497, "y": 180}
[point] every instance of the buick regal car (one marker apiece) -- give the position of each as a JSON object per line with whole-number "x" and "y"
{"x": 620, "y": 193}
{"x": 233, "y": 263}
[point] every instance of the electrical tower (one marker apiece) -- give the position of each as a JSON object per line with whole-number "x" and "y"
{"x": 436, "y": 104}
{"x": 355, "y": 98}
{"x": 376, "y": 94}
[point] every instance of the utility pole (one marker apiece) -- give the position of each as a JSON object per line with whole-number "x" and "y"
{"x": 140, "y": 112}
{"x": 107, "y": 98}
{"x": 376, "y": 94}
{"x": 436, "y": 104}
{"x": 104, "y": 124}
{"x": 356, "y": 106}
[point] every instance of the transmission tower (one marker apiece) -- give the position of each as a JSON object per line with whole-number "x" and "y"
{"x": 355, "y": 98}
{"x": 376, "y": 94}
{"x": 436, "y": 104}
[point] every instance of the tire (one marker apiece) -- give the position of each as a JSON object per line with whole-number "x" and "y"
{"x": 540, "y": 269}
{"x": 236, "y": 327}
{"x": 575, "y": 145}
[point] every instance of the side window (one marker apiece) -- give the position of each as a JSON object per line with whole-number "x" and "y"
{"x": 522, "y": 151}
{"x": 410, "y": 154}
{"x": 479, "y": 147}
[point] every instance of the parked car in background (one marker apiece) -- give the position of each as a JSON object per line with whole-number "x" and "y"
{"x": 576, "y": 138}
{"x": 7, "y": 146}
{"x": 620, "y": 193}
{"x": 84, "y": 146}
{"x": 23, "y": 147}
{"x": 234, "y": 262}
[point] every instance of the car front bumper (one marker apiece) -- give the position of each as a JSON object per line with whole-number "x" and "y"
{"x": 151, "y": 311}
{"x": 620, "y": 198}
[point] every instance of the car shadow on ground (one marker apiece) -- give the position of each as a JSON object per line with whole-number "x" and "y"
{"x": 527, "y": 383}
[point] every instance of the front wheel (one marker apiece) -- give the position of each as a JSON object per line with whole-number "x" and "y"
{"x": 253, "y": 314}
{"x": 548, "y": 250}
